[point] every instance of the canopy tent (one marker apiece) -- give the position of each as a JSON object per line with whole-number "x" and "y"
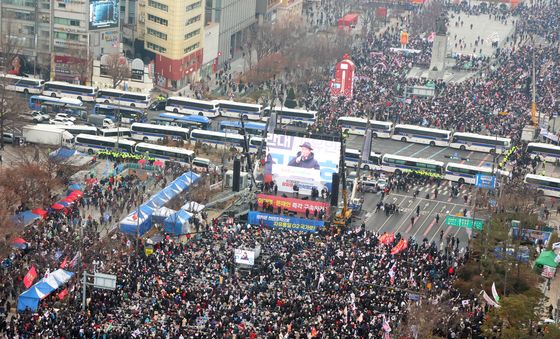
{"x": 193, "y": 207}
{"x": 63, "y": 153}
{"x": 138, "y": 220}
{"x": 75, "y": 186}
{"x": 547, "y": 258}
{"x": 177, "y": 223}
{"x": 25, "y": 218}
{"x": 31, "y": 298}
{"x": 161, "y": 213}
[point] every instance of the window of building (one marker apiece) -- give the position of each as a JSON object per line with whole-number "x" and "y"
{"x": 66, "y": 36}
{"x": 193, "y": 19}
{"x": 194, "y": 5}
{"x": 192, "y": 47}
{"x": 157, "y": 34}
{"x": 156, "y": 47}
{"x": 192, "y": 34}
{"x": 157, "y": 20}
{"x": 66, "y": 22}
{"x": 158, "y": 5}
{"x": 18, "y": 15}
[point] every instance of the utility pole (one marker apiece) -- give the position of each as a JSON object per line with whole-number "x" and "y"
{"x": 534, "y": 95}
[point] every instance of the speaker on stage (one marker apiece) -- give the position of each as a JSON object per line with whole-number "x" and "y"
{"x": 236, "y": 174}
{"x": 335, "y": 186}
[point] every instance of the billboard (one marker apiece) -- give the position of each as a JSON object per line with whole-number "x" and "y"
{"x": 284, "y": 222}
{"x": 343, "y": 82}
{"x": 303, "y": 162}
{"x": 244, "y": 257}
{"x": 295, "y": 205}
{"x": 103, "y": 14}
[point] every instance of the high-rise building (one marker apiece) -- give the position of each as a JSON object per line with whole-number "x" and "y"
{"x": 174, "y": 32}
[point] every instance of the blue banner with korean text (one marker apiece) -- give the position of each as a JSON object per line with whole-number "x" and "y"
{"x": 285, "y": 222}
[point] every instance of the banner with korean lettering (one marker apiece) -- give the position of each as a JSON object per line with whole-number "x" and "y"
{"x": 295, "y": 205}
{"x": 284, "y": 222}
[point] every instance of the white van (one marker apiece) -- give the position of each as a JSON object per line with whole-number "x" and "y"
{"x": 202, "y": 164}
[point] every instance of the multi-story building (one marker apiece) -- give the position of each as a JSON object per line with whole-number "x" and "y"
{"x": 290, "y": 8}
{"x": 267, "y": 10}
{"x": 235, "y": 18}
{"x": 174, "y": 32}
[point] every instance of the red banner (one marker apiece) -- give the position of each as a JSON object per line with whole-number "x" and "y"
{"x": 63, "y": 293}
{"x": 30, "y": 277}
{"x": 387, "y": 238}
{"x": 401, "y": 246}
{"x": 295, "y": 205}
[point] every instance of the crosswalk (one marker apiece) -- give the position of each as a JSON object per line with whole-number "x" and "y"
{"x": 444, "y": 190}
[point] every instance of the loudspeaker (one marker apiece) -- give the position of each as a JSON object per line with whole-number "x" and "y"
{"x": 335, "y": 186}
{"x": 236, "y": 173}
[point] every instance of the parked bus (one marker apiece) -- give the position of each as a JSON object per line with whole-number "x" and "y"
{"x": 59, "y": 89}
{"x": 421, "y": 135}
{"x": 252, "y": 128}
{"x": 255, "y": 143}
{"x": 481, "y": 143}
{"x": 218, "y": 138}
{"x": 49, "y": 105}
{"x": 398, "y": 164}
{"x": 123, "y": 98}
{"x": 292, "y": 116}
{"x": 114, "y": 132}
{"x": 187, "y": 121}
{"x": 165, "y": 152}
{"x": 190, "y": 106}
{"x": 145, "y": 132}
{"x": 546, "y": 152}
{"x": 467, "y": 173}
{"x": 352, "y": 158}
{"x": 79, "y": 129}
{"x": 21, "y": 84}
{"x": 380, "y": 129}
{"x": 128, "y": 115}
{"x": 92, "y": 143}
{"x": 548, "y": 186}
{"x": 238, "y": 110}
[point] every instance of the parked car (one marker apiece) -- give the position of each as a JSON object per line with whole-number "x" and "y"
{"x": 60, "y": 121}
{"x": 65, "y": 116}
{"x": 8, "y": 138}
{"x": 38, "y": 116}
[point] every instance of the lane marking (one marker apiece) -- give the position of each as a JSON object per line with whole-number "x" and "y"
{"x": 467, "y": 157}
{"x": 438, "y": 152}
{"x": 422, "y": 149}
{"x": 404, "y": 148}
{"x": 484, "y": 160}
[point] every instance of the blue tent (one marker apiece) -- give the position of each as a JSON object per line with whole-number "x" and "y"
{"x": 75, "y": 186}
{"x": 138, "y": 219}
{"x": 31, "y": 298}
{"x": 25, "y": 218}
{"x": 63, "y": 154}
{"x": 177, "y": 223}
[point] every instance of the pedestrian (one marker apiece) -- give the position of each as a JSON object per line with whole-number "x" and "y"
{"x": 418, "y": 210}
{"x": 437, "y": 219}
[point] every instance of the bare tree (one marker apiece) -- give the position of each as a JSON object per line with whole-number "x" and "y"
{"x": 118, "y": 69}
{"x": 81, "y": 65}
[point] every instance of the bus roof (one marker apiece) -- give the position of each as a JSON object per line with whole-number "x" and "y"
{"x": 542, "y": 177}
{"x": 427, "y": 161}
{"x": 364, "y": 120}
{"x": 229, "y": 135}
{"x": 63, "y": 83}
{"x": 160, "y": 127}
{"x": 122, "y": 92}
{"x": 178, "y": 116}
{"x": 542, "y": 144}
{"x": 83, "y": 127}
{"x": 115, "y": 129}
{"x": 164, "y": 148}
{"x": 213, "y": 102}
{"x": 250, "y": 124}
{"x": 278, "y": 109}
{"x": 421, "y": 128}
{"x": 471, "y": 167}
{"x": 231, "y": 102}
{"x": 107, "y": 139}
{"x": 124, "y": 108}
{"x": 481, "y": 136}
{"x": 68, "y": 101}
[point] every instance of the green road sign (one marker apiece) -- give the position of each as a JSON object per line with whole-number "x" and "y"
{"x": 451, "y": 220}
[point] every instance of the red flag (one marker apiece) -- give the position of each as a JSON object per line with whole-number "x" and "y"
{"x": 401, "y": 246}
{"x": 64, "y": 262}
{"x": 387, "y": 238}
{"x": 30, "y": 277}
{"x": 63, "y": 293}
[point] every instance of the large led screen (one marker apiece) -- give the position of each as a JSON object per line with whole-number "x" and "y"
{"x": 303, "y": 162}
{"x": 103, "y": 14}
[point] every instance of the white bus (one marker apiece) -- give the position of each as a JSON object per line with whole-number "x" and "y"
{"x": 380, "y": 129}
{"x": 291, "y": 116}
{"x": 123, "y": 98}
{"x": 92, "y": 143}
{"x": 255, "y": 143}
{"x": 79, "y": 129}
{"x": 544, "y": 185}
{"x": 234, "y": 109}
{"x": 144, "y": 132}
{"x": 192, "y": 106}
{"x": 467, "y": 173}
{"x": 114, "y": 132}
{"x": 218, "y": 138}
{"x": 481, "y": 143}
{"x": 421, "y": 135}
{"x": 21, "y": 84}
{"x": 546, "y": 152}
{"x": 352, "y": 158}
{"x": 164, "y": 152}
{"x": 59, "y": 89}
{"x": 399, "y": 164}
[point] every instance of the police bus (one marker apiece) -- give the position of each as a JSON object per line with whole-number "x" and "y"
{"x": 481, "y": 143}
{"x": 93, "y": 143}
{"x": 164, "y": 152}
{"x": 252, "y": 128}
{"x": 291, "y": 116}
{"x": 21, "y": 84}
{"x": 79, "y": 129}
{"x": 546, "y": 152}
{"x": 187, "y": 121}
{"x": 145, "y": 132}
{"x": 352, "y": 158}
{"x": 123, "y": 98}
{"x": 51, "y": 105}
{"x": 255, "y": 143}
{"x": 190, "y": 106}
{"x": 220, "y": 139}
{"x": 421, "y": 135}
{"x": 467, "y": 173}
{"x": 235, "y": 109}
{"x": 127, "y": 115}
{"x": 59, "y": 89}
{"x": 548, "y": 186}
{"x": 114, "y": 132}
{"x": 399, "y": 164}
{"x": 380, "y": 129}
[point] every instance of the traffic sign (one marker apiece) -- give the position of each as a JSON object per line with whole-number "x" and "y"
{"x": 485, "y": 181}
{"x": 464, "y": 222}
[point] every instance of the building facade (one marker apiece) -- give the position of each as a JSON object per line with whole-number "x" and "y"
{"x": 267, "y": 10}
{"x": 174, "y": 33}
{"x": 292, "y": 8}
{"x": 235, "y": 18}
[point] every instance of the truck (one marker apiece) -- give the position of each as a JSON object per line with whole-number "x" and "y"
{"x": 47, "y": 135}
{"x": 101, "y": 121}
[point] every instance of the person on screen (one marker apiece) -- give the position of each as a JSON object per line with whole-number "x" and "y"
{"x": 305, "y": 158}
